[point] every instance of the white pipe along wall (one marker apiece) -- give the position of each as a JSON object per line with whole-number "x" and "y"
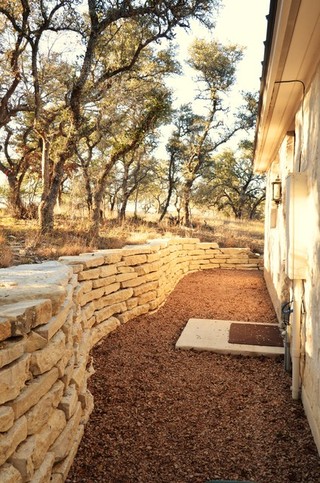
{"x": 297, "y": 261}
{"x": 296, "y": 327}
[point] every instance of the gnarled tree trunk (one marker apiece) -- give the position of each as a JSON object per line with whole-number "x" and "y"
{"x": 16, "y": 207}
{"x": 186, "y": 196}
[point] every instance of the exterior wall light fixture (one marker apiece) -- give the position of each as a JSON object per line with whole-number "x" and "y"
{"x": 276, "y": 191}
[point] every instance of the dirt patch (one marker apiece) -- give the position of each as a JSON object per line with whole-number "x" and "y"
{"x": 168, "y": 416}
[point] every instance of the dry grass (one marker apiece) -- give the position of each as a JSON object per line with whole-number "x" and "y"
{"x": 29, "y": 246}
{"x": 239, "y": 233}
{"x": 21, "y": 242}
{"x": 226, "y": 232}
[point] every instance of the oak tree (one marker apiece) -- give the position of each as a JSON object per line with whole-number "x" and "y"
{"x": 203, "y": 133}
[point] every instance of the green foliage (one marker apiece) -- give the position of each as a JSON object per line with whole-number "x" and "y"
{"x": 197, "y": 136}
{"x": 215, "y": 65}
{"x": 73, "y": 101}
{"x": 231, "y": 186}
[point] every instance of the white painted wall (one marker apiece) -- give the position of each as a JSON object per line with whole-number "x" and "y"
{"x": 299, "y": 153}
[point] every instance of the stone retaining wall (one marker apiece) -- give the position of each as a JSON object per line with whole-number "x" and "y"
{"x": 51, "y": 315}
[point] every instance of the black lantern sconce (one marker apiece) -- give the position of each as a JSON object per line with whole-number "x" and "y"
{"x": 276, "y": 191}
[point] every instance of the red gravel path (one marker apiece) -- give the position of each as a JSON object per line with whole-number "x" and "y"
{"x": 168, "y": 416}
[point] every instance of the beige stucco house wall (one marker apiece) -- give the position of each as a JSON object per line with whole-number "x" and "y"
{"x": 287, "y": 147}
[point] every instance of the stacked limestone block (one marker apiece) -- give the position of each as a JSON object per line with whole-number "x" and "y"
{"x": 51, "y": 315}
{"x": 43, "y": 405}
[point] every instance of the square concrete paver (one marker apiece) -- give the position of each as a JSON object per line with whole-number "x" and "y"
{"x": 212, "y": 335}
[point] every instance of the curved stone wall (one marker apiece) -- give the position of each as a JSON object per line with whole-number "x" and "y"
{"x": 51, "y": 315}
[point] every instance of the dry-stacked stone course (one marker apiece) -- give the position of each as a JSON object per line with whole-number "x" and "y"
{"x": 51, "y": 315}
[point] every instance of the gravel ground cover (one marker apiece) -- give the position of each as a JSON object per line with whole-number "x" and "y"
{"x": 168, "y": 416}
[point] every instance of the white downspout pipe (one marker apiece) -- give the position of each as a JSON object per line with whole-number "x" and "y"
{"x": 296, "y": 339}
